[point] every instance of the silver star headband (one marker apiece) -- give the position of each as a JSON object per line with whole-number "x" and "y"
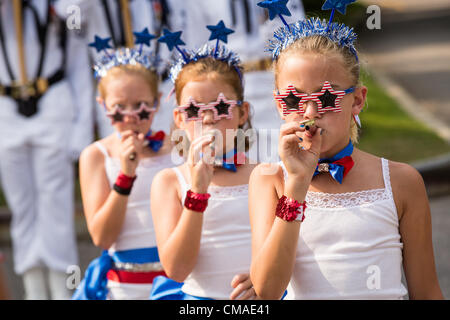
{"x": 338, "y": 33}
{"x": 125, "y": 56}
{"x": 219, "y": 33}
{"x": 217, "y": 52}
{"x": 289, "y": 33}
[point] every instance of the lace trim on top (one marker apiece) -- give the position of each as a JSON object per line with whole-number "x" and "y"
{"x": 228, "y": 191}
{"x": 349, "y": 199}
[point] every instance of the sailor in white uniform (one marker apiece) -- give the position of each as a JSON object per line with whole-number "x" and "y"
{"x": 45, "y": 122}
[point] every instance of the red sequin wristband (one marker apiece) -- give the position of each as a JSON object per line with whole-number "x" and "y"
{"x": 290, "y": 209}
{"x": 196, "y": 201}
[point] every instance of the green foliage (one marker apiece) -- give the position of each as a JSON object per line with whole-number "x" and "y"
{"x": 391, "y": 133}
{"x": 354, "y": 17}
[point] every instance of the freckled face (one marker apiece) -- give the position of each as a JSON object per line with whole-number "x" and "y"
{"x": 128, "y": 92}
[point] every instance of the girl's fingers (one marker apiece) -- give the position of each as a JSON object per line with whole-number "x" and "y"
{"x": 130, "y": 150}
{"x": 141, "y": 136}
{"x": 197, "y": 147}
{"x": 249, "y": 294}
{"x": 313, "y": 144}
{"x": 316, "y": 142}
{"x": 138, "y": 144}
{"x": 241, "y": 283}
{"x": 290, "y": 128}
{"x": 127, "y": 134}
{"x": 238, "y": 279}
{"x": 240, "y": 291}
{"x": 289, "y": 140}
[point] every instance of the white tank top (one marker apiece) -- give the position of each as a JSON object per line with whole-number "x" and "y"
{"x": 137, "y": 231}
{"x": 349, "y": 246}
{"x": 225, "y": 245}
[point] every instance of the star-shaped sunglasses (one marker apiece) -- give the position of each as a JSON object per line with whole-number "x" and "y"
{"x": 327, "y": 99}
{"x": 222, "y": 108}
{"x": 142, "y": 111}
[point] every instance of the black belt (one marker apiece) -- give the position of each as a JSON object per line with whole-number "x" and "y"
{"x": 27, "y": 96}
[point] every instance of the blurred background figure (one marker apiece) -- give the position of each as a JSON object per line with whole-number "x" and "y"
{"x": 252, "y": 30}
{"x": 4, "y": 291}
{"x": 45, "y": 122}
{"x": 118, "y": 19}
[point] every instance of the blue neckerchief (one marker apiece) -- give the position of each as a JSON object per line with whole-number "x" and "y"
{"x": 336, "y": 170}
{"x": 229, "y": 160}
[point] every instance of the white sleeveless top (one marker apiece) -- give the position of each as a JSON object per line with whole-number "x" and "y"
{"x": 137, "y": 231}
{"x": 349, "y": 246}
{"x": 225, "y": 245}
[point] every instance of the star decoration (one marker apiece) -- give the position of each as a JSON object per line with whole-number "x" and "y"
{"x": 339, "y": 5}
{"x": 143, "y": 114}
{"x": 100, "y": 43}
{"x": 192, "y": 111}
{"x": 292, "y": 101}
{"x": 275, "y": 7}
{"x": 171, "y": 39}
{"x": 117, "y": 116}
{"x": 143, "y": 37}
{"x": 222, "y": 108}
{"x": 328, "y": 99}
{"x": 219, "y": 32}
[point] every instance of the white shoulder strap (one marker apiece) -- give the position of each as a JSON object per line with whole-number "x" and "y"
{"x": 182, "y": 181}
{"x": 102, "y": 148}
{"x": 285, "y": 174}
{"x": 386, "y": 176}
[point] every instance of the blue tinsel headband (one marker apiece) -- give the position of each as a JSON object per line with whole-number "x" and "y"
{"x": 219, "y": 52}
{"x": 289, "y": 33}
{"x": 125, "y": 56}
{"x": 338, "y": 33}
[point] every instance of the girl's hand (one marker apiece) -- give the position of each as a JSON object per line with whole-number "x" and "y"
{"x": 130, "y": 143}
{"x": 299, "y": 163}
{"x": 243, "y": 287}
{"x": 201, "y": 163}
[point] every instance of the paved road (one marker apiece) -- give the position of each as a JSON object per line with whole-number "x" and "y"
{"x": 413, "y": 49}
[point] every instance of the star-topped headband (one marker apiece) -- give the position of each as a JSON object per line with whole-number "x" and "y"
{"x": 219, "y": 33}
{"x": 289, "y": 33}
{"x": 125, "y": 56}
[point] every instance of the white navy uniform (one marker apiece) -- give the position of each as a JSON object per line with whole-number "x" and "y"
{"x": 252, "y": 30}
{"x": 103, "y": 19}
{"x": 36, "y": 166}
